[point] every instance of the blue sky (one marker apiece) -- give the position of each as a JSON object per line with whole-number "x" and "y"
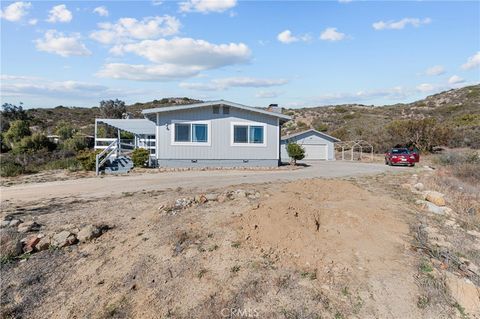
{"x": 252, "y": 52}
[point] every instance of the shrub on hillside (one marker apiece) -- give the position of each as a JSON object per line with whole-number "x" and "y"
{"x": 423, "y": 134}
{"x": 9, "y": 168}
{"x": 87, "y": 159}
{"x": 64, "y": 130}
{"x": 140, "y": 157}
{"x": 296, "y": 152}
{"x": 17, "y": 131}
{"x": 75, "y": 144}
{"x": 32, "y": 144}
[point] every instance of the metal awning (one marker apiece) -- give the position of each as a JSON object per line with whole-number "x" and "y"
{"x": 135, "y": 126}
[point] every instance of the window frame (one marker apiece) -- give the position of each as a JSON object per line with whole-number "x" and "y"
{"x": 248, "y": 125}
{"x": 191, "y": 142}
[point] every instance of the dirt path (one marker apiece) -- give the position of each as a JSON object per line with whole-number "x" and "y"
{"x": 302, "y": 249}
{"x": 114, "y": 185}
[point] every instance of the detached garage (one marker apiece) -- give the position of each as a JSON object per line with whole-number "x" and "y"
{"x": 317, "y": 145}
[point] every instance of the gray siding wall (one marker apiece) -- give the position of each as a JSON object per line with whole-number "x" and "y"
{"x": 220, "y": 147}
{"x": 311, "y": 138}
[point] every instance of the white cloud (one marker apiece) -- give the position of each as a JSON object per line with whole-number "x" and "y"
{"x": 60, "y": 92}
{"x": 101, "y": 11}
{"x": 188, "y": 52}
{"x": 57, "y": 43}
{"x": 435, "y": 70}
{"x": 126, "y": 29}
{"x": 394, "y": 93}
{"x": 473, "y": 62}
{"x": 425, "y": 87}
{"x": 267, "y": 94}
{"x": 455, "y": 79}
{"x": 141, "y": 72}
{"x": 287, "y": 37}
{"x": 33, "y": 21}
{"x": 60, "y": 13}
{"x": 15, "y": 11}
{"x": 174, "y": 58}
{"x": 331, "y": 34}
{"x": 206, "y": 6}
{"x": 226, "y": 83}
{"x": 157, "y": 2}
{"x": 400, "y": 24}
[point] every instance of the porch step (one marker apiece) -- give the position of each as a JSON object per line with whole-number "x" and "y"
{"x": 120, "y": 165}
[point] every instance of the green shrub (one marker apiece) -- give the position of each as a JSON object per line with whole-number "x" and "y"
{"x": 17, "y": 131}
{"x": 296, "y": 152}
{"x": 140, "y": 157}
{"x": 64, "y": 130}
{"x": 10, "y": 169}
{"x": 321, "y": 127}
{"x": 71, "y": 163}
{"x": 76, "y": 144}
{"x": 32, "y": 144}
{"x": 87, "y": 159}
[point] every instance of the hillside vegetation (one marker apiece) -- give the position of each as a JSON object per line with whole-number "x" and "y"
{"x": 458, "y": 110}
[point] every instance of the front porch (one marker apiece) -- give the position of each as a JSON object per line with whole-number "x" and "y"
{"x": 118, "y": 138}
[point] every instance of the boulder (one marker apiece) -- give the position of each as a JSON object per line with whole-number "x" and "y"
{"x": 88, "y": 233}
{"x": 28, "y": 227}
{"x": 419, "y": 186}
{"x": 63, "y": 238}
{"x": 435, "y": 197}
{"x": 221, "y": 198}
{"x": 43, "y": 243}
{"x": 431, "y": 207}
{"x": 240, "y": 193}
{"x": 14, "y": 222}
{"x": 4, "y": 223}
{"x": 211, "y": 197}
{"x": 30, "y": 244}
{"x": 465, "y": 293}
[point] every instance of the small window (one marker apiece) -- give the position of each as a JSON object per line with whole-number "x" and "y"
{"x": 182, "y": 132}
{"x": 216, "y": 109}
{"x": 199, "y": 133}
{"x": 240, "y": 134}
{"x": 256, "y": 134}
{"x": 226, "y": 109}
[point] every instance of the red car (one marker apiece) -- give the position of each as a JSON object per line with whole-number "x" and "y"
{"x": 400, "y": 156}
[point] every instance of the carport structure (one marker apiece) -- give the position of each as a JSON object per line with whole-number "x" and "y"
{"x": 350, "y": 146}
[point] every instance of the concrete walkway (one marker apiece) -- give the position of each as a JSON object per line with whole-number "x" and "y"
{"x": 111, "y": 185}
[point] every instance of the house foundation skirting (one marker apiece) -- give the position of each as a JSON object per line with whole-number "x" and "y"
{"x": 217, "y": 163}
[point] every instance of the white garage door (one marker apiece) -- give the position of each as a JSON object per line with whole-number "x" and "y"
{"x": 315, "y": 151}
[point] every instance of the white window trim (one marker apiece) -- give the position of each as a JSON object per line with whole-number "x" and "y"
{"x": 209, "y": 133}
{"x": 232, "y": 125}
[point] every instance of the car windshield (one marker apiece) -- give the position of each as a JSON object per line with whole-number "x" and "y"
{"x": 399, "y": 151}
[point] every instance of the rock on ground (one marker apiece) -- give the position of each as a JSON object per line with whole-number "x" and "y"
{"x": 64, "y": 238}
{"x": 435, "y": 197}
{"x": 88, "y": 233}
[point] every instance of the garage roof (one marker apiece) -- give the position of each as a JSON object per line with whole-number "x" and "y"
{"x": 333, "y": 139}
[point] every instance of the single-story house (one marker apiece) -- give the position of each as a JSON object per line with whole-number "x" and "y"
{"x": 210, "y": 134}
{"x": 317, "y": 145}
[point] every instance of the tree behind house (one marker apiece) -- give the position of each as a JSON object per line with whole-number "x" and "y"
{"x": 113, "y": 109}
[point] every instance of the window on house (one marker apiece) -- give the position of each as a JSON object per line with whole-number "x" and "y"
{"x": 256, "y": 134}
{"x": 191, "y": 132}
{"x": 199, "y": 133}
{"x": 216, "y": 109}
{"x": 240, "y": 134}
{"x": 248, "y": 134}
{"x": 226, "y": 109}
{"x": 182, "y": 132}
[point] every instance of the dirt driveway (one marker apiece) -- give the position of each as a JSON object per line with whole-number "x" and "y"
{"x": 111, "y": 185}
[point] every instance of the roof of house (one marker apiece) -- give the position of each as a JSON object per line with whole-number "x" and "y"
{"x": 211, "y": 103}
{"x": 135, "y": 126}
{"x": 333, "y": 139}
